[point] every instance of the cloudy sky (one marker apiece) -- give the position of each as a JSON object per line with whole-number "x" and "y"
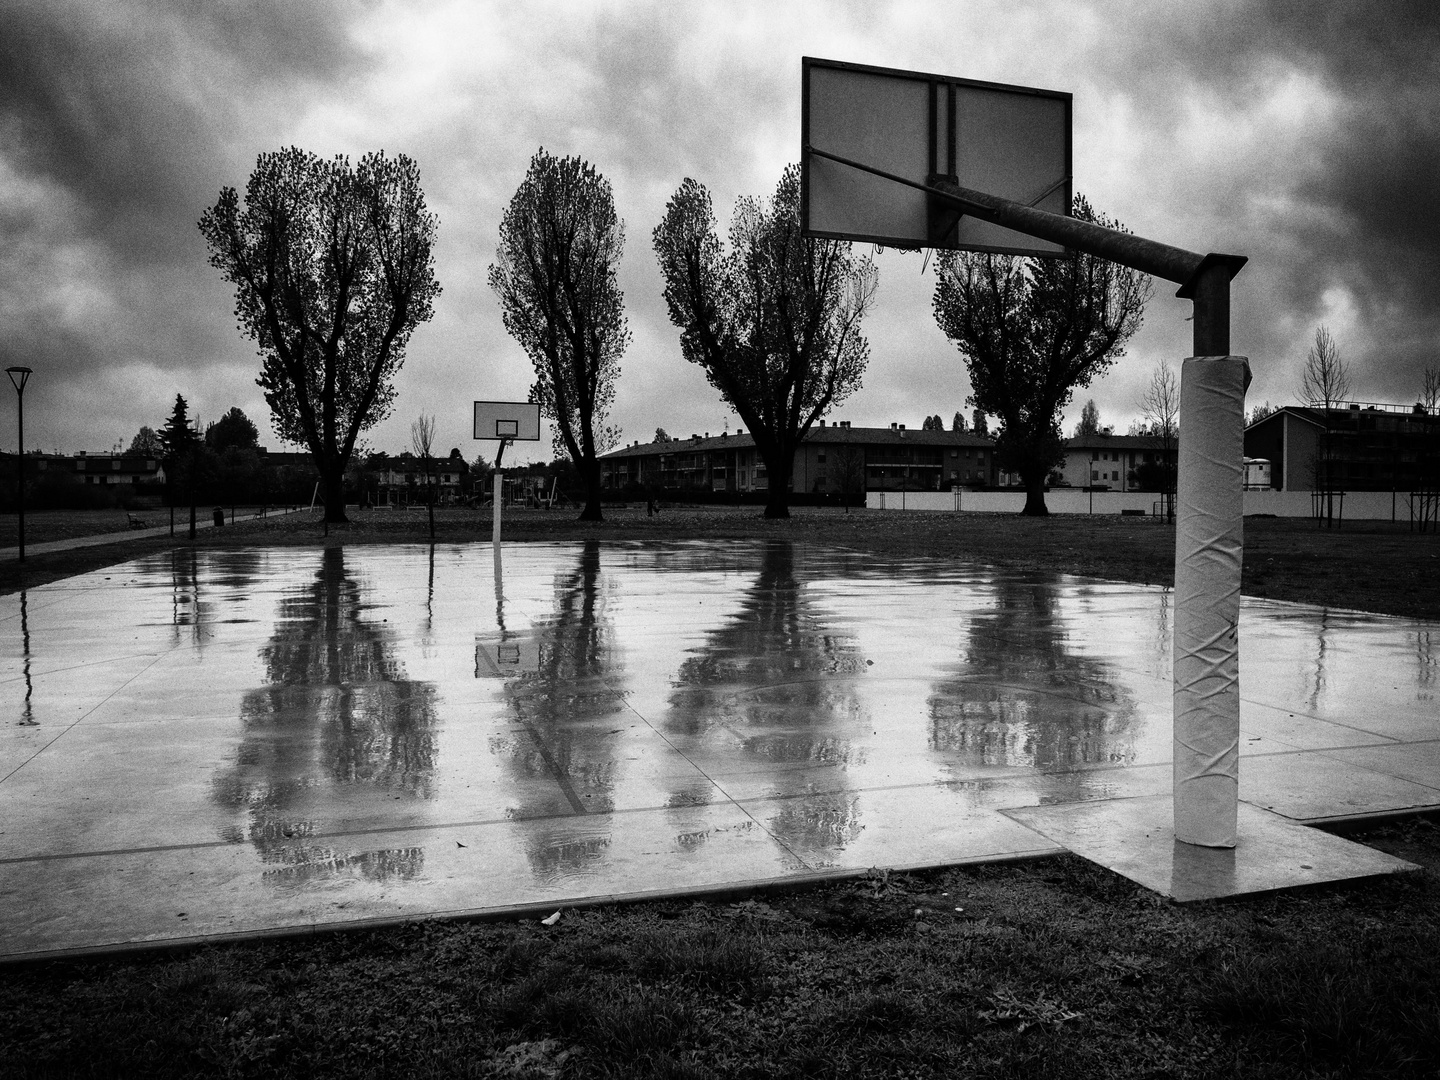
{"x": 1302, "y": 133}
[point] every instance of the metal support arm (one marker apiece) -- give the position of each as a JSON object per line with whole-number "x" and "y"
{"x": 1185, "y": 268}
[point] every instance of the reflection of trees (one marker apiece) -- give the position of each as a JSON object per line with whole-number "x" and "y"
{"x": 1019, "y": 697}
{"x": 1160, "y": 655}
{"x": 774, "y": 683}
{"x": 27, "y": 714}
{"x": 201, "y": 590}
{"x": 186, "y": 606}
{"x": 562, "y": 754}
{"x": 1425, "y": 661}
{"x": 1317, "y": 684}
{"x": 338, "y": 724}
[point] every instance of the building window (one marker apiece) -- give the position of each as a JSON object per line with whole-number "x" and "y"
{"x": 820, "y": 457}
{"x": 1094, "y": 474}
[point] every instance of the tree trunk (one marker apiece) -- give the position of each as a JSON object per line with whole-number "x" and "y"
{"x": 590, "y": 475}
{"x": 1035, "y": 494}
{"x": 777, "y": 500}
{"x": 332, "y": 490}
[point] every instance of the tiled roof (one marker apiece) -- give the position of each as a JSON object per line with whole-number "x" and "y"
{"x": 1114, "y": 442}
{"x": 830, "y": 435}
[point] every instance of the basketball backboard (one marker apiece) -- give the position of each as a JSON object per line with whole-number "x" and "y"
{"x": 1008, "y": 141}
{"x": 518, "y": 421}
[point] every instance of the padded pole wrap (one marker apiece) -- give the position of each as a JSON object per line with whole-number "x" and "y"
{"x": 1209, "y": 509}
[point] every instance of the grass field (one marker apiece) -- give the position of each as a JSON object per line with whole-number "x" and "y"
{"x": 1051, "y": 968}
{"x": 45, "y": 525}
{"x": 1365, "y": 566}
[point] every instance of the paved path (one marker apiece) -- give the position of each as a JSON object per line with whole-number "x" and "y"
{"x": 181, "y": 532}
{"x": 214, "y": 743}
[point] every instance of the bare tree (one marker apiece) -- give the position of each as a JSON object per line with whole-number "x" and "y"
{"x": 774, "y": 321}
{"x": 332, "y": 273}
{"x": 1260, "y": 412}
{"x": 1430, "y": 457}
{"x": 1325, "y": 379}
{"x": 1324, "y": 384}
{"x": 1160, "y": 405}
{"x": 1031, "y": 332}
{"x": 422, "y": 441}
{"x": 555, "y": 274}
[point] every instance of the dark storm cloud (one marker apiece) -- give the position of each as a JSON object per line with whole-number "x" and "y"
{"x": 1303, "y": 135}
{"x": 1359, "y": 198}
{"x": 120, "y": 123}
{"x": 128, "y": 106}
{"x": 1376, "y": 173}
{"x": 653, "y": 93}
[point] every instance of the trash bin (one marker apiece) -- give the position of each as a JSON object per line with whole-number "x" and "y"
{"x": 219, "y": 517}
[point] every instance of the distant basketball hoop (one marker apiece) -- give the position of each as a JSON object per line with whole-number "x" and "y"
{"x": 506, "y": 421}
{"x": 509, "y": 421}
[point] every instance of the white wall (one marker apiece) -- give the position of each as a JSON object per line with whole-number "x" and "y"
{"x": 1358, "y": 505}
{"x": 1059, "y": 500}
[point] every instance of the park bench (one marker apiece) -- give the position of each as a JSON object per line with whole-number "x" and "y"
{"x": 135, "y": 522}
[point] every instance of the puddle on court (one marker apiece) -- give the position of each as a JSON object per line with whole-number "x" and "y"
{"x": 328, "y": 709}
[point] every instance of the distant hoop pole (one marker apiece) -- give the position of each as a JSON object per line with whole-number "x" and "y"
{"x": 19, "y": 376}
{"x": 507, "y": 422}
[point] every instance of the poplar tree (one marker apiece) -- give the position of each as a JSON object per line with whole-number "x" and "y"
{"x": 333, "y": 272}
{"x": 1032, "y": 331}
{"x": 555, "y": 273}
{"x": 773, "y": 317}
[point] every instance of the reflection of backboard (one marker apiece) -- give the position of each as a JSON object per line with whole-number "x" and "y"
{"x": 514, "y": 420}
{"x": 1008, "y": 141}
{"x": 505, "y": 656}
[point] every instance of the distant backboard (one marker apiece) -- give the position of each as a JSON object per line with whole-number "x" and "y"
{"x": 518, "y": 421}
{"x": 1008, "y": 141}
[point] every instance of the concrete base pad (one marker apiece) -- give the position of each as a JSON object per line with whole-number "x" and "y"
{"x": 1136, "y": 839}
{"x": 213, "y": 744}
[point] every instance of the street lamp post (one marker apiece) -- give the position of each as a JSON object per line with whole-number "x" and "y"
{"x": 19, "y": 376}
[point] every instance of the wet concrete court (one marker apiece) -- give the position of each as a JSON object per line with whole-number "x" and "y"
{"x": 229, "y": 742}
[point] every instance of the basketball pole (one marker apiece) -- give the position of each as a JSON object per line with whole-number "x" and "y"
{"x": 498, "y": 497}
{"x": 1208, "y": 533}
{"x": 1209, "y": 549}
